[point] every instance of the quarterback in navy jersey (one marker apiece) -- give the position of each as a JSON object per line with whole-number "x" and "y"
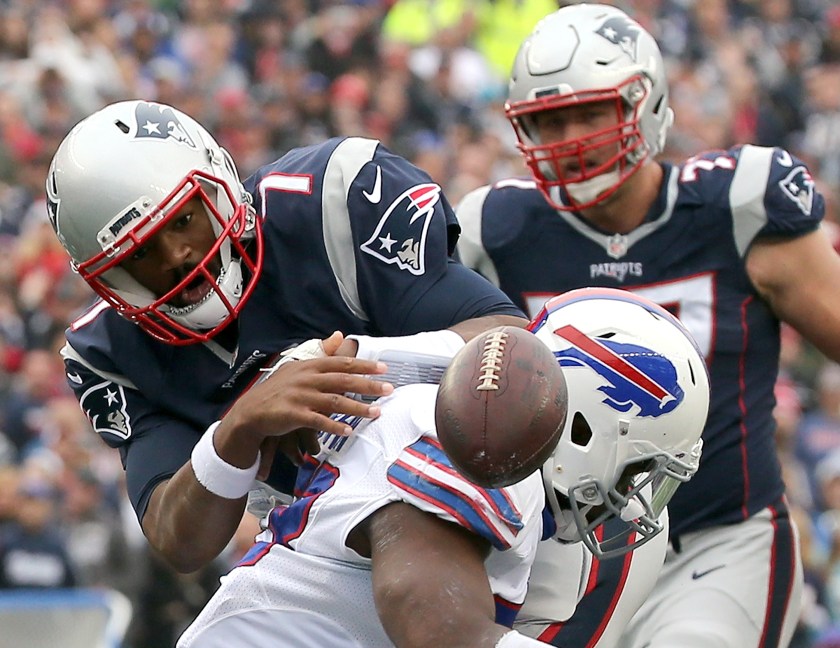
{"x": 730, "y": 241}
{"x": 205, "y": 281}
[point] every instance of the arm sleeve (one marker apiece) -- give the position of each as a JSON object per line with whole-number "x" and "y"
{"x": 152, "y": 446}
{"x": 423, "y": 476}
{"x": 460, "y": 294}
{"x": 403, "y": 234}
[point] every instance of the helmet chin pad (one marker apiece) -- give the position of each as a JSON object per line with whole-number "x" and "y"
{"x": 211, "y": 311}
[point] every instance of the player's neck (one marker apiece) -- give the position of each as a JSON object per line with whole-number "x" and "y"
{"x": 628, "y": 207}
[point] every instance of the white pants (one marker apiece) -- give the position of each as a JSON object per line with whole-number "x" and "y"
{"x": 737, "y": 586}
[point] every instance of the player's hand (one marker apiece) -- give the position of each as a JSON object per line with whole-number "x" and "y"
{"x": 304, "y": 393}
{"x": 338, "y": 345}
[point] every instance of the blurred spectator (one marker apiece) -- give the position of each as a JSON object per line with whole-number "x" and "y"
{"x": 788, "y": 415}
{"x": 95, "y": 538}
{"x": 502, "y": 25}
{"x": 814, "y": 617}
{"x": 830, "y": 47}
{"x": 24, "y": 416}
{"x": 32, "y": 550}
{"x": 821, "y": 140}
{"x": 819, "y": 431}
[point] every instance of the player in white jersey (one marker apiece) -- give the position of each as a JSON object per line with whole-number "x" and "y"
{"x": 387, "y": 544}
{"x": 307, "y": 580}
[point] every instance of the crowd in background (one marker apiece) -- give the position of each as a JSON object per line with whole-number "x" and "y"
{"x": 427, "y": 78}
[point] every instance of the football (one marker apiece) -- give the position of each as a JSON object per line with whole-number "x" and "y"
{"x": 501, "y": 407}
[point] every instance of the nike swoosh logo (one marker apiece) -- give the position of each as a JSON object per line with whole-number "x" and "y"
{"x": 699, "y": 574}
{"x": 784, "y": 159}
{"x": 74, "y": 377}
{"x": 376, "y": 195}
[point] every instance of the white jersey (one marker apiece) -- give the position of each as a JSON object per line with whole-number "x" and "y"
{"x": 301, "y": 580}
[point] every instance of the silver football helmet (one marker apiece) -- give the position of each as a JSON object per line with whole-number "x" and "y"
{"x": 581, "y": 54}
{"x": 638, "y": 400}
{"x": 119, "y": 177}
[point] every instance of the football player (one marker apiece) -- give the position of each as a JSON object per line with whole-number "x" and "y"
{"x": 387, "y": 544}
{"x": 205, "y": 280}
{"x": 727, "y": 240}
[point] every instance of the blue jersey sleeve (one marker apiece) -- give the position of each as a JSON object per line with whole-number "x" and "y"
{"x": 152, "y": 446}
{"x": 350, "y": 214}
{"x": 793, "y": 204}
{"x": 404, "y": 249}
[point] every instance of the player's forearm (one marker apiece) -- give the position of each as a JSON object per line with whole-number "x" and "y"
{"x": 187, "y": 524}
{"x": 460, "y": 620}
{"x": 192, "y": 516}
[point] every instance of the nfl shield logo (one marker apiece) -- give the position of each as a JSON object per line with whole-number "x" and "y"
{"x": 617, "y": 246}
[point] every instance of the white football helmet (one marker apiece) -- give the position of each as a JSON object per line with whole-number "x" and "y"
{"x": 587, "y": 53}
{"x": 117, "y": 178}
{"x": 638, "y": 400}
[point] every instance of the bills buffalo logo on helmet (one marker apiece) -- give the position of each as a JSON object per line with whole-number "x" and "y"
{"x": 799, "y": 187}
{"x": 622, "y": 32}
{"x": 400, "y": 235}
{"x": 635, "y": 375}
{"x": 160, "y": 122}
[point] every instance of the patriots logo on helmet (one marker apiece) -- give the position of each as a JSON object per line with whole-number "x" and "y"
{"x": 400, "y": 235}
{"x": 52, "y": 202}
{"x": 799, "y": 187}
{"x": 635, "y": 375}
{"x": 160, "y": 122}
{"x": 621, "y": 31}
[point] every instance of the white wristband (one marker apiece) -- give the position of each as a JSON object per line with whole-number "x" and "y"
{"x": 444, "y": 343}
{"x": 216, "y": 474}
{"x": 515, "y": 640}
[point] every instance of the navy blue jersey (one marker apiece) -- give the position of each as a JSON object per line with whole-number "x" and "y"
{"x": 356, "y": 240}
{"x": 689, "y": 256}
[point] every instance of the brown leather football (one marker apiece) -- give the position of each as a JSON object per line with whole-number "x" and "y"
{"x": 501, "y": 407}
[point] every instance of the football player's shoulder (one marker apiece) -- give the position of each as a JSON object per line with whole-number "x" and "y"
{"x": 302, "y": 162}
{"x": 99, "y": 334}
{"x": 109, "y": 345}
{"x": 501, "y": 209}
{"x": 421, "y": 474}
{"x": 792, "y": 201}
{"x": 766, "y": 187}
{"x": 520, "y": 195}
{"x": 776, "y": 186}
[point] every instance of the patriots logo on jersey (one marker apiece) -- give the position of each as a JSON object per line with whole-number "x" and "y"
{"x": 159, "y": 122}
{"x": 400, "y": 235}
{"x": 635, "y": 375}
{"x": 622, "y": 32}
{"x": 799, "y": 187}
{"x": 104, "y": 405}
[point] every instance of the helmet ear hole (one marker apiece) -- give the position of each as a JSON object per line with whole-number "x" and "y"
{"x": 581, "y": 432}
